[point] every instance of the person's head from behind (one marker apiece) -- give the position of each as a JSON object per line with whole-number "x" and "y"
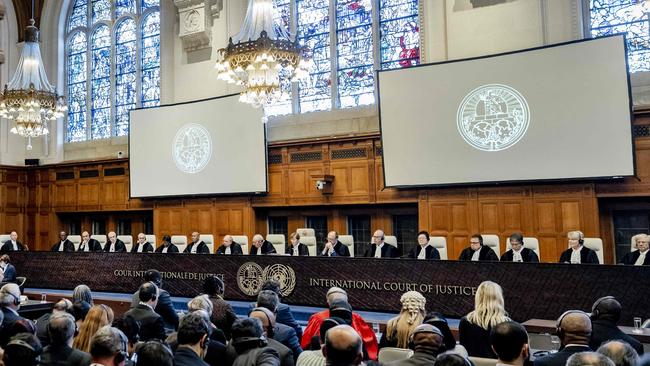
{"x": 61, "y": 329}
{"x": 340, "y": 308}
{"x": 108, "y": 347}
{"x": 328, "y": 324}
{"x": 10, "y": 296}
{"x": 509, "y": 340}
{"x": 148, "y": 294}
{"x": 80, "y": 311}
{"x": 336, "y": 293}
{"x": 267, "y": 318}
{"x": 194, "y": 333}
{"x": 343, "y": 346}
{"x": 22, "y": 349}
{"x": 201, "y": 302}
{"x": 19, "y": 326}
{"x": 439, "y": 321}
{"x": 489, "y": 308}
{"x": 273, "y": 285}
{"x": 63, "y": 306}
{"x": 574, "y": 327}
{"x": 427, "y": 339}
{"x": 131, "y": 329}
{"x": 98, "y": 316}
{"x": 621, "y": 353}
{"x": 82, "y": 293}
{"x": 588, "y": 359}
{"x": 213, "y": 286}
{"x": 606, "y": 308}
{"x": 153, "y": 275}
{"x": 247, "y": 334}
{"x": 412, "y": 314}
{"x": 154, "y": 353}
{"x": 452, "y": 359}
{"x": 268, "y": 299}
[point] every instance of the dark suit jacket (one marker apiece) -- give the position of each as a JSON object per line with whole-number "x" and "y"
{"x": 93, "y": 244}
{"x": 286, "y": 356}
{"x": 559, "y": 358}
{"x": 432, "y": 253}
{"x": 223, "y": 316}
{"x": 119, "y": 246}
{"x": 605, "y": 330}
{"x": 418, "y": 359}
{"x": 340, "y": 250}
{"x": 283, "y": 315}
{"x": 267, "y": 248}
{"x": 527, "y": 255}
{"x": 387, "y": 251}
{"x": 287, "y": 336}
{"x": 586, "y": 256}
{"x": 216, "y": 354}
{"x": 475, "y": 339}
{"x": 67, "y": 246}
{"x": 152, "y": 325}
{"x": 10, "y": 274}
{"x": 9, "y": 319}
{"x": 201, "y": 248}
{"x": 146, "y": 248}
{"x": 41, "y": 329}
{"x": 7, "y": 247}
{"x": 235, "y": 249}
{"x": 487, "y": 254}
{"x": 164, "y": 308}
{"x": 302, "y": 249}
{"x": 64, "y": 356}
{"x": 171, "y": 249}
{"x": 631, "y": 257}
{"x": 186, "y": 357}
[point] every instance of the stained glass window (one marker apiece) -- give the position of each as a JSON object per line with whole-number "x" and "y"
{"x": 629, "y": 17}
{"x": 400, "y": 34}
{"x": 282, "y": 18}
{"x": 109, "y": 44}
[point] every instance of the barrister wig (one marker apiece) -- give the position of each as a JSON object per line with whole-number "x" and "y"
{"x": 411, "y": 315}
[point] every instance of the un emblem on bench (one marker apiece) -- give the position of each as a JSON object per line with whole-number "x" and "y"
{"x": 251, "y": 276}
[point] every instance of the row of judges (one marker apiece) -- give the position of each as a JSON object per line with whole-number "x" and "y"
{"x": 577, "y": 253}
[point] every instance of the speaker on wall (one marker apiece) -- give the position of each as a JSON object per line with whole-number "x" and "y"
{"x": 32, "y": 162}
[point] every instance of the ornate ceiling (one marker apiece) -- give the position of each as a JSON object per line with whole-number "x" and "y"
{"x": 24, "y": 12}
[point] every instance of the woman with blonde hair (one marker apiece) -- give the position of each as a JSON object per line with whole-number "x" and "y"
{"x": 474, "y": 328}
{"x": 400, "y": 327}
{"x": 98, "y": 316}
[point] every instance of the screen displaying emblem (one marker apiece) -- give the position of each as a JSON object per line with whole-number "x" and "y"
{"x": 493, "y": 117}
{"x": 192, "y": 148}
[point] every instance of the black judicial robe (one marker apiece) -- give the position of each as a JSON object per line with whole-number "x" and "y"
{"x": 527, "y": 255}
{"x": 387, "y": 251}
{"x": 586, "y": 256}
{"x": 431, "y": 252}
{"x": 267, "y": 248}
{"x": 201, "y": 248}
{"x": 235, "y": 249}
{"x": 302, "y": 249}
{"x": 486, "y": 254}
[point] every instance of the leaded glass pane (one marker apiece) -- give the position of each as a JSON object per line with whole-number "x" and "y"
{"x": 124, "y": 7}
{"x": 125, "y": 69}
{"x": 314, "y": 32}
{"x": 629, "y": 17}
{"x": 354, "y": 46}
{"x": 101, "y": 10}
{"x": 100, "y": 83}
{"x": 150, "y": 3}
{"x": 151, "y": 60}
{"x": 282, "y": 18}
{"x": 400, "y": 33}
{"x": 76, "y": 85}
{"x": 79, "y": 15}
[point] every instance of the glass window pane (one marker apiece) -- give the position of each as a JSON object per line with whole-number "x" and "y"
{"x": 151, "y": 60}
{"x": 150, "y": 3}
{"x": 125, "y": 75}
{"x": 76, "y": 85}
{"x": 405, "y": 229}
{"x": 319, "y": 224}
{"x": 400, "y": 33}
{"x": 100, "y": 84}
{"x": 359, "y": 228}
{"x": 124, "y": 7}
{"x": 101, "y": 10}
{"x": 282, "y": 18}
{"x": 79, "y": 15}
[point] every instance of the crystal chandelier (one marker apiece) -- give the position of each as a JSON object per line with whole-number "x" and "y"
{"x": 260, "y": 55}
{"x": 29, "y": 99}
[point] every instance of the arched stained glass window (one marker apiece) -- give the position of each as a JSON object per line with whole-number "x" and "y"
{"x": 112, "y": 65}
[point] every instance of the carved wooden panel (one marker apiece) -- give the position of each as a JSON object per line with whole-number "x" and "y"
{"x": 88, "y": 194}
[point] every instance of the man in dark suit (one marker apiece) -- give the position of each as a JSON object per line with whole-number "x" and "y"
{"x": 261, "y": 246}
{"x": 89, "y": 244}
{"x": 197, "y": 245}
{"x": 477, "y": 251}
{"x": 281, "y": 332}
{"x": 10, "y": 302}
{"x": 509, "y": 340}
{"x": 61, "y": 306}
{"x": 229, "y": 246}
{"x": 193, "y": 338}
{"x": 114, "y": 245}
{"x": 61, "y": 329}
{"x": 8, "y": 270}
{"x": 151, "y": 324}
{"x": 426, "y": 345}
{"x": 379, "y": 249}
{"x": 333, "y": 247}
{"x": 63, "y": 245}
{"x": 167, "y": 246}
{"x": 12, "y": 245}
{"x": 295, "y": 246}
{"x": 605, "y": 314}
{"x": 164, "y": 307}
{"x": 142, "y": 245}
{"x": 423, "y": 250}
{"x": 518, "y": 253}
{"x": 577, "y": 252}
{"x": 268, "y": 324}
{"x": 574, "y": 330}
{"x": 283, "y": 314}
{"x": 640, "y": 256}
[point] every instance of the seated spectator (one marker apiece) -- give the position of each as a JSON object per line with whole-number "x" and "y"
{"x": 588, "y": 359}
{"x": 108, "y": 347}
{"x": 82, "y": 293}
{"x": 131, "y": 329}
{"x": 267, "y": 319}
{"x": 426, "y": 343}
{"x": 474, "y": 328}
{"x": 164, "y": 307}
{"x": 509, "y": 341}
{"x": 343, "y": 346}
{"x": 216, "y": 354}
{"x": 20, "y": 326}
{"x": 61, "y": 328}
{"x": 574, "y": 330}
{"x": 202, "y": 302}
{"x": 22, "y": 349}
{"x": 283, "y": 312}
{"x": 193, "y": 337}
{"x": 281, "y": 333}
{"x": 151, "y": 324}
{"x": 605, "y": 314}
{"x": 98, "y": 317}
{"x": 154, "y": 353}
{"x": 400, "y": 327}
{"x": 62, "y": 306}
{"x": 621, "y": 353}
{"x": 315, "y": 357}
{"x": 452, "y": 359}
{"x": 8, "y": 270}
{"x": 250, "y": 344}
{"x": 222, "y": 313}
{"x": 10, "y": 302}
{"x": 439, "y": 321}
{"x": 80, "y": 311}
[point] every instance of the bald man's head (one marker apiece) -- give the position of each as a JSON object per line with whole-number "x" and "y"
{"x": 621, "y": 353}
{"x": 588, "y": 359}
{"x": 267, "y": 318}
{"x": 336, "y": 293}
{"x": 574, "y": 326}
{"x": 343, "y": 346}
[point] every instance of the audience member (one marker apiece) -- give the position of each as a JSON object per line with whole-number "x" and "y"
{"x": 267, "y": 318}
{"x": 229, "y": 246}
{"x": 89, "y": 244}
{"x": 63, "y": 245}
{"x": 605, "y": 314}
{"x": 131, "y": 329}
{"x": 474, "y": 328}
{"x": 164, "y": 307}
{"x": 577, "y": 252}
{"x": 477, "y": 251}
{"x": 518, "y": 253}
{"x": 61, "y": 329}
{"x": 295, "y": 247}
{"x": 98, "y": 317}
{"x": 154, "y": 353}
{"x": 574, "y": 331}
{"x": 251, "y": 346}
{"x": 261, "y": 246}
{"x": 216, "y": 353}
{"x": 315, "y": 356}
{"x": 10, "y": 301}
{"x": 426, "y": 341}
{"x": 639, "y": 256}
{"x": 588, "y": 359}
{"x": 621, "y": 353}
{"x": 80, "y": 311}
{"x": 197, "y": 245}
{"x": 167, "y": 247}
{"x": 283, "y": 314}
{"x": 509, "y": 341}
{"x": 108, "y": 347}
{"x": 192, "y": 338}
{"x": 12, "y": 245}
{"x": 439, "y": 321}
{"x": 22, "y": 349}
{"x": 142, "y": 245}
{"x": 282, "y": 333}
{"x": 8, "y": 270}
{"x": 343, "y": 347}
{"x": 202, "y": 302}
{"x": 423, "y": 250}
{"x": 222, "y": 313}
{"x": 452, "y": 359}
{"x": 333, "y": 247}
{"x": 152, "y": 325}
{"x": 82, "y": 293}
{"x": 379, "y": 248}
{"x": 399, "y": 328}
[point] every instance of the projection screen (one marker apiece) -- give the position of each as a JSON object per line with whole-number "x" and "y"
{"x": 214, "y": 146}
{"x": 550, "y": 113}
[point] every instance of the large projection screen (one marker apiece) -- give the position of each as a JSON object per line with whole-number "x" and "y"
{"x": 552, "y": 113}
{"x": 214, "y": 146}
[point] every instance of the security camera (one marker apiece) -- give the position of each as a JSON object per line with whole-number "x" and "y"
{"x": 120, "y": 154}
{"x": 320, "y": 185}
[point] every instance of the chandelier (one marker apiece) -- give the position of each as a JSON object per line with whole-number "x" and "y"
{"x": 29, "y": 99}
{"x": 261, "y": 56}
